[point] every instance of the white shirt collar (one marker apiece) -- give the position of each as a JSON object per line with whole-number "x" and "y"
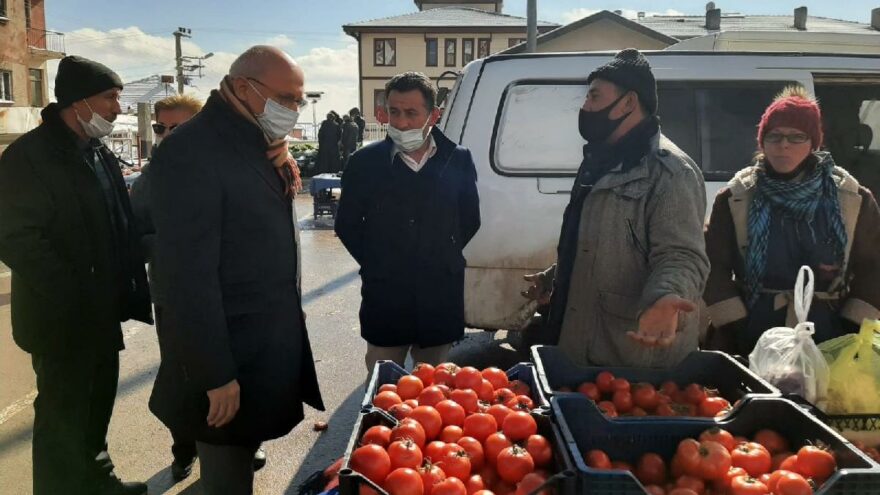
{"x": 410, "y": 162}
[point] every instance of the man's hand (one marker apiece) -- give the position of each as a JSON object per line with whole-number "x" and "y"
{"x": 539, "y": 290}
{"x": 224, "y": 404}
{"x": 658, "y": 324}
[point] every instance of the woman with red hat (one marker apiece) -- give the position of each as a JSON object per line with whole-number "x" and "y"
{"x": 792, "y": 207}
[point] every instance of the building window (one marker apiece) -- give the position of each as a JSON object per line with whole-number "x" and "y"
{"x": 431, "y": 55}
{"x": 5, "y": 85}
{"x": 36, "y": 80}
{"x": 451, "y": 46}
{"x": 483, "y": 47}
{"x": 27, "y": 13}
{"x": 511, "y": 42}
{"x": 385, "y": 52}
{"x": 467, "y": 51}
{"x": 378, "y": 101}
{"x": 2, "y": 10}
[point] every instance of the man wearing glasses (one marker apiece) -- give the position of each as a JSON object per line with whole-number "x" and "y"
{"x": 236, "y": 360}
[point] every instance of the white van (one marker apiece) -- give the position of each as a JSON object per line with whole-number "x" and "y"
{"x": 518, "y": 116}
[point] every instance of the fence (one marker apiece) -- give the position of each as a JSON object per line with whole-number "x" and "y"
{"x": 40, "y": 39}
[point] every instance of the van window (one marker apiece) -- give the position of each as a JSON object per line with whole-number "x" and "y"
{"x": 713, "y": 122}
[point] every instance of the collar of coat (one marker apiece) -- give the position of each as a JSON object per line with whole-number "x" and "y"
{"x": 63, "y": 137}
{"x": 662, "y": 151}
{"x": 745, "y": 181}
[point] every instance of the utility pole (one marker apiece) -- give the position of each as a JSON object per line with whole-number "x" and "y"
{"x": 181, "y": 32}
{"x": 532, "y": 22}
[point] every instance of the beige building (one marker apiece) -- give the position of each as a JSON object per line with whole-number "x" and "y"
{"x": 25, "y": 48}
{"x": 441, "y": 37}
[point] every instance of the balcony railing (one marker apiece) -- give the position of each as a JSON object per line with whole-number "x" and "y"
{"x": 40, "y": 39}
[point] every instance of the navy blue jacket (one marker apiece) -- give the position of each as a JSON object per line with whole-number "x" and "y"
{"x": 407, "y": 230}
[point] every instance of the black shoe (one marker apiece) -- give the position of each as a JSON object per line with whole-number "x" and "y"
{"x": 182, "y": 468}
{"x": 115, "y": 486}
{"x": 259, "y": 459}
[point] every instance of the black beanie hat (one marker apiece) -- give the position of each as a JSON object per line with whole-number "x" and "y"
{"x": 79, "y": 78}
{"x": 630, "y": 70}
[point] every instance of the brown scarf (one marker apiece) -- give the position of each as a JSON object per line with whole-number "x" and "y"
{"x": 276, "y": 152}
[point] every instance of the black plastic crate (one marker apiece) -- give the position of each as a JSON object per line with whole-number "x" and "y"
{"x": 711, "y": 369}
{"x": 390, "y": 372}
{"x": 585, "y": 428}
{"x": 564, "y": 481}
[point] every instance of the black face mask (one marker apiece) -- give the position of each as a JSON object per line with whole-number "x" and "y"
{"x": 596, "y": 127}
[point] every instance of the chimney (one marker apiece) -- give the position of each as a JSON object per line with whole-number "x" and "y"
{"x": 620, "y": 12}
{"x": 713, "y": 20}
{"x": 710, "y": 6}
{"x": 641, "y": 15}
{"x": 800, "y": 18}
{"x": 875, "y": 19}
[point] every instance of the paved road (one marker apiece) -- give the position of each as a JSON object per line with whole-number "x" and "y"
{"x": 140, "y": 445}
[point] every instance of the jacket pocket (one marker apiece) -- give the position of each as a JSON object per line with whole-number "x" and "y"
{"x": 621, "y": 307}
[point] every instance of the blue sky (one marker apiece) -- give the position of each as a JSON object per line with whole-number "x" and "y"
{"x": 134, "y": 36}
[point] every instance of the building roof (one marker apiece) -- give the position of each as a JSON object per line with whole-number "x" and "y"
{"x": 689, "y": 26}
{"x": 446, "y": 17}
{"x": 590, "y": 19}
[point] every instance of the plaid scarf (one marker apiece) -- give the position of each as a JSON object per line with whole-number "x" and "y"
{"x": 798, "y": 200}
{"x": 276, "y": 151}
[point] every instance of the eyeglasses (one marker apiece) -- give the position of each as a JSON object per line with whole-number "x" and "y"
{"x": 161, "y": 128}
{"x": 778, "y": 137}
{"x": 286, "y": 101}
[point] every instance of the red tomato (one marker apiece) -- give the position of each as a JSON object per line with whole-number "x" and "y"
{"x": 590, "y": 390}
{"x": 620, "y": 384}
{"x": 467, "y": 398}
{"x": 493, "y": 446}
{"x": 388, "y": 387}
{"x": 644, "y": 395}
{"x": 431, "y": 474}
{"x": 664, "y": 409}
{"x": 451, "y": 434}
{"x": 597, "y": 459}
{"x": 409, "y": 428}
{"x": 694, "y": 393}
{"x": 379, "y": 435}
{"x": 692, "y": 483}
{"x": 456, "y": 464}
{"x": 654, "y": 490}
{"x": 404, "y": 481}
{"x": 384, "y": 400}
{"x": 638, "y": 412}
{"x": 468, "y": 377}
{"x": 540, "y": 449}
{"x": 486, "y": 392}
{"x": 499, "y": 412}
{"x": 430, "y": 420}
{"x": 669, "y": 388}
{"x": 503, "y": 395}
{"x": 746, "y": 485}
{"x": 519, "y": 425}
{"x": 409, "y": 387}
{"x": 449, "y": 486}
{"x": 404, "y": 454}
{"x": 413, "y": 403}
{"x": 790, "y": 464}
{"x": 772, "y": 441}
{"x": 504, "y": 488}
{"x": 791, "y": 484}
{"x": 514, "y": 463}
{"x": 651, "y": 469}
{"x": 706, "y": 460}
{"x": 608, "y": 408}
{"x": 521, "y": 403}
{"x": 681, "y": 491}
{"x": 723, "y": 437}
{"x": 489, "y": 475}
{"x": 425, "y": 372}
{"x": 480, "y": 426}
{"x": 722, "y": 485}
{"x": 530, "y": 483}
{"x": 622, "y": 401}
{"x": 371, "y": 461}
{"x": 497, "y": 377}
{"x": 520, "y": 387}
{"x": 752, "y": 457}
{"x": 435, "y": 451}
{"x": 474, "y": 484}
{"x": 431, "y": 396}
{"x": 474, "y": 450}
{"x": 777, "y": 459}
{"x": 445, "y": 389}
{"x": 713, "y": 406}
{"x": 603, "y": 381}
{"x": 451, "y": 412}
{"x": 400, "y": 411}
{"x": 445, "y": 373}
{"x": 815, "y": 462}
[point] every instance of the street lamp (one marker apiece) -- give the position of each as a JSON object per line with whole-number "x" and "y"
{"x": 313, "y": 97}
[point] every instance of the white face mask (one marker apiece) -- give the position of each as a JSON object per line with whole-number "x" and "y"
{"x": 276, "y": 120}
{"x": 410, "y": 140}
{"x": 97, "y": 126}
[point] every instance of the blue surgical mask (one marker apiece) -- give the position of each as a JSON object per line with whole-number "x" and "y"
{"x": 277, "y": 121}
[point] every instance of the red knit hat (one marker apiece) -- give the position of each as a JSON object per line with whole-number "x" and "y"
{"x": 795, "y": 108}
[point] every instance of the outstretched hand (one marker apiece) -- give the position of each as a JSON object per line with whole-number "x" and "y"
{"x": 659, "y": 323}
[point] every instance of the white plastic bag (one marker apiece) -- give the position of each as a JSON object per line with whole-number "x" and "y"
{"x": 788, "y": 357}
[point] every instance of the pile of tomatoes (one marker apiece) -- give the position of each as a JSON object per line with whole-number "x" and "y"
{"x": 719, "y": 463}
{"x": 871, "y": 452}
{"x": 460, "y": 431}
{"x": 618, "y": 397}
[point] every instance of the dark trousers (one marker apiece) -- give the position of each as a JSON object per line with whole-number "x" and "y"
{"x": 226, "y": 469}
{"x": 75, "y": 396}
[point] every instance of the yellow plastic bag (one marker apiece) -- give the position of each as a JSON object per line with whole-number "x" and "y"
{"x": 854, "y": 360}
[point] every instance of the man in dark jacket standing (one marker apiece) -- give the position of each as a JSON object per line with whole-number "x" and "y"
{"x": 328, "y": 145}
{"x": 349, "y": 139}
{"x": 67, "y": 232}
{"x": 236, "y": 360}
{"x": 361, "y": 123}
{"x": 409, "y": 206}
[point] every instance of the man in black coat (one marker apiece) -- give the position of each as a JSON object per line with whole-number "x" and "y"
{"x": 349, "y": 139}
{"x": 409, "y": 206}
{"x": 67, "y": 232}
{"x": 361, "y": 123}
{"x": 236, "y": 360}
{"x": 328, "y": 145}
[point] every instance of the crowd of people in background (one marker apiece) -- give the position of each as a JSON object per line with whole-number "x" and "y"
{"x": 339, "y": 137}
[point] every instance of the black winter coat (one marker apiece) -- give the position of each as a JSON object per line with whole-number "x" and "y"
{"x": 226, "y": 265}
{"x": 407, "y": 230}
{"x": 74, "y": 278}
